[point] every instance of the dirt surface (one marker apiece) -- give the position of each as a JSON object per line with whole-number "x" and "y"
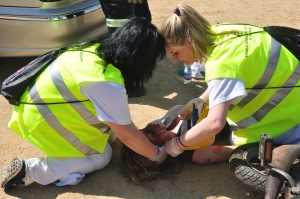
{"x": 164, "y": 90}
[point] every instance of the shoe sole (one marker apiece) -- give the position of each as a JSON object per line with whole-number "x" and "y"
{"x": 11, "y": 170}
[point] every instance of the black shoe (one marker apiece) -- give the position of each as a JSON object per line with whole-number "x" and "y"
{"x": 141, "y": 91}
{"x": 13, "y": 173}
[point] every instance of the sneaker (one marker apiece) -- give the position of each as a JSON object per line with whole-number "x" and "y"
{"x": 141, "y": 91}
{"x": 13, "y": 173}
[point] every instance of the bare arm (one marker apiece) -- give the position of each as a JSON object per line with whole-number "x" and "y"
{"x": 209, "y": 126}
{"x": 134, "y": 139}
{"x": 205, "y": 129}
{"x": 210, "y": 155}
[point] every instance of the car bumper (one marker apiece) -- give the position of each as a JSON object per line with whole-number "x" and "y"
{"x": 33, "y": 35}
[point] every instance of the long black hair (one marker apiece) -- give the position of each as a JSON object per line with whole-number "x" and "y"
{"x": 134, "y": 49}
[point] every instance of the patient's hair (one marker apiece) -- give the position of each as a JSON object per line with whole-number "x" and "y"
{"x": 141, "y": 171}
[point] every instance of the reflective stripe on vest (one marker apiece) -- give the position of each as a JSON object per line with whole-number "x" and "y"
{"x": 115, "y": 23}
{"x": 266, "y": 77}
{"x": 277, "y": 98}
{"x": 78, "y": 106}
{"x": 270, "y": 73}
{"x": 262, "y": 84}
{"x": 56, "y": 117}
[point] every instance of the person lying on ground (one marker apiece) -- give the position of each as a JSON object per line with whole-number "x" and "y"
{"x": 140, "y": 170}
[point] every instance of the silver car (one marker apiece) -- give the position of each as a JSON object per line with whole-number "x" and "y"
{"x": 34, "y": 27}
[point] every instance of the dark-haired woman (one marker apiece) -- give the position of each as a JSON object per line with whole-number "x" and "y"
{"x": 78, "y": 104}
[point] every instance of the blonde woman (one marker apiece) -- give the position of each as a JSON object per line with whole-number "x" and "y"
{"x": 252, "y": 79}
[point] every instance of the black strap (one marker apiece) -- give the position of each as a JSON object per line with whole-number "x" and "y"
{"x": 70, "y": 102}
{"x": 288, "y": 37}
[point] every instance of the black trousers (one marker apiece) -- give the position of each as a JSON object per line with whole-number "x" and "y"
{"x": 142, "y": 10}
{"x": 113, "y": 9}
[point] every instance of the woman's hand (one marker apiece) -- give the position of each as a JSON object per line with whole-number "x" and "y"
{"x": 173, "y": 147}
{"x": 134, "y": 139}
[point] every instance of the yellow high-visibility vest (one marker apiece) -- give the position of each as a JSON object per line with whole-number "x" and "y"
{"x": 270, "y": 73}
{"x": 69, "y": 127}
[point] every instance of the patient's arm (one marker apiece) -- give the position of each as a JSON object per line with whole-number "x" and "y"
{"x": 212, "y": 154}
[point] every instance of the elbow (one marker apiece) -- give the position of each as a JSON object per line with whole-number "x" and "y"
{"x": 218, "y": 126}
{"x": 217, "y": 130}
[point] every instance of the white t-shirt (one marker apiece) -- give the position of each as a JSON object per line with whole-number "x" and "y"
{"x": 110, "y": 101}
{"x": 222, "y": 90}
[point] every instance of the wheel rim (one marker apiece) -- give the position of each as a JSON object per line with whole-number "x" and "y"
{"x": 251, "y": 159}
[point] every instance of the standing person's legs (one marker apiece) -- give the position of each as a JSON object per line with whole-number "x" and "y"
{"x": 116, "y": 12}
{"x": 142, "y": 10}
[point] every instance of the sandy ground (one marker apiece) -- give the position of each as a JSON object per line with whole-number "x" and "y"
{"x": 165, "y": 90}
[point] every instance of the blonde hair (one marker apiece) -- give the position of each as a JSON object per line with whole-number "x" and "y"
{"x": 187, "y": 22}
